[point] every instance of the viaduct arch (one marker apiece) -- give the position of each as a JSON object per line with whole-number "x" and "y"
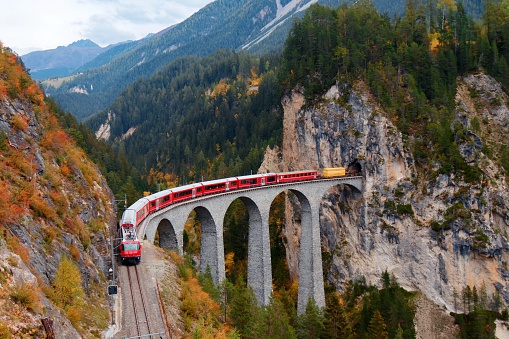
{"x": 211, "y": 211}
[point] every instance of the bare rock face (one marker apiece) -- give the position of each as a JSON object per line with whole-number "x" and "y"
{"x": 390, "y": 226}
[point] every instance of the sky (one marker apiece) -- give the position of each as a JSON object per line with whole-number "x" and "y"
{"x": 35, "y": 25}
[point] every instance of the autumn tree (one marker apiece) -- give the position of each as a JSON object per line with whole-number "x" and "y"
{"x": 67, "y": 284}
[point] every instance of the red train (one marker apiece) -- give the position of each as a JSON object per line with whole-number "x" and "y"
{"x": 135, "y": 214}
{"x": 130, "y": 245}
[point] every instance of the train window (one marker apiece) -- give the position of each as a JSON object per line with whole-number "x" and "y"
{"x": 131, "y": 247}
{"x": 271, "y": 179}
{"x": 233, "y": 183}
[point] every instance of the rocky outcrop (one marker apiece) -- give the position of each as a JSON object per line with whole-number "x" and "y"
{"x": 396, "y": 224}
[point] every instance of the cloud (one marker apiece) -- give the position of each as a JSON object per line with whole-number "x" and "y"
{"x": 104, "y": 32}
{"x": 39, "y": 25}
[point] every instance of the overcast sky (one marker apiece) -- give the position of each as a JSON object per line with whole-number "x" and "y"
{"x": 33, "y": 25}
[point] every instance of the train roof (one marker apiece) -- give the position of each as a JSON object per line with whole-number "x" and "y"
{"x": 297, "y": 172}
{"x": 138, "y": 204}
{"x": 129, "y": 217}
{"x": 218, "y": 181}
{"x": 159, "y": 194}
{"x": 186, "y": 187}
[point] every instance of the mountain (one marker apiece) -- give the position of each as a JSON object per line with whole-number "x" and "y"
{"x": 63, "y": 60}
{"x": 254, "y": 26}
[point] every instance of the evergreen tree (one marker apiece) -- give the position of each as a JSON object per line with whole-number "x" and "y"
{"x": 310, "y": 324}
{"x": 275, "y": 322}
{"x": 377, "y": 328}
{"x": 244, "y": 312}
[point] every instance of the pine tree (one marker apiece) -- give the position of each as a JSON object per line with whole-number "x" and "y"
{"x": 310, "y": 324}
{"x": 275, "y": 322}
{"x": 337, "y": 323}
{"x": 399, "y": 333}
{"x": 377, "y": 328}
{"x": 244, "y": 312}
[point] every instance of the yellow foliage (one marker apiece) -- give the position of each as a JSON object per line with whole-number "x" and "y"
{"x": 73, "y": 313}
{"x": 5, "y": 332}
{"x": 221, "y": 88}
{"x": 67, "y": 289}
{"x": 27, "y": 295}
{"x": 434, "y": 42}
{"x": 229, "y": 261}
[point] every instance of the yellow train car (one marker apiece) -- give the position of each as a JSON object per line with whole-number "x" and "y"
{"x": 331, "y": 172}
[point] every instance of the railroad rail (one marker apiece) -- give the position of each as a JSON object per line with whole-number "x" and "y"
{"x": 141, "y": 317}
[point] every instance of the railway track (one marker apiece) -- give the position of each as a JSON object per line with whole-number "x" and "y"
{"x": 140, "y": 307}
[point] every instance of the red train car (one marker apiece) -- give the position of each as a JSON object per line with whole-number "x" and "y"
{"x": 186, "y": 192}
{"x": 296, "y": 176}
{"x": 159, "y": 200}
{"x": 130, "y": 245}
{"x": 216, "y": 186}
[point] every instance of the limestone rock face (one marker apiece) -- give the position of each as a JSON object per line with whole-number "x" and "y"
{"x": 389, "y": 226}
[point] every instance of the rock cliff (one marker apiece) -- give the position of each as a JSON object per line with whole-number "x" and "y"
{"x": 393, "y": 226}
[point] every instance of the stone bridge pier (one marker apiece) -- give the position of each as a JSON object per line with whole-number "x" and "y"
{"x": 211, "y": 210}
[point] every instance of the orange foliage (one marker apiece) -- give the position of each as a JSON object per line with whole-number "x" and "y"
{"x": 65, "y": 170}
{"x": 3, "y": 90}
{"x": 55, "y": 140}
{"x": 15, "y": 245}
{"x": 10, "y": 210}
{"x": 41, "y": 207}
{"x": 197, "y": 303}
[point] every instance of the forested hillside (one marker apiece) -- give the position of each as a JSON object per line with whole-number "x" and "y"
{"x": 199, "y": 118}
{"x": 254, "y": 26}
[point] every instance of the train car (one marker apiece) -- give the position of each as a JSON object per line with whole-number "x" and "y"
{"x": 331, "y": 172}
{"x": 216, "y": 186}
{"x": 248, "y": 181}
{"x": 137, "y": 211}
{"x": 296, "y": 176}
{"x": 159, "y": 200}
{"x": 130, "y": 246}
{"x": 186, "y": 192}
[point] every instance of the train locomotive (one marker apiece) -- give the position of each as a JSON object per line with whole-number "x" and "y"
{"x": 130, "y": 247}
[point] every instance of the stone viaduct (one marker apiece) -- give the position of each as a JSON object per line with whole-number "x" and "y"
{"x": 211, "y": 210}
